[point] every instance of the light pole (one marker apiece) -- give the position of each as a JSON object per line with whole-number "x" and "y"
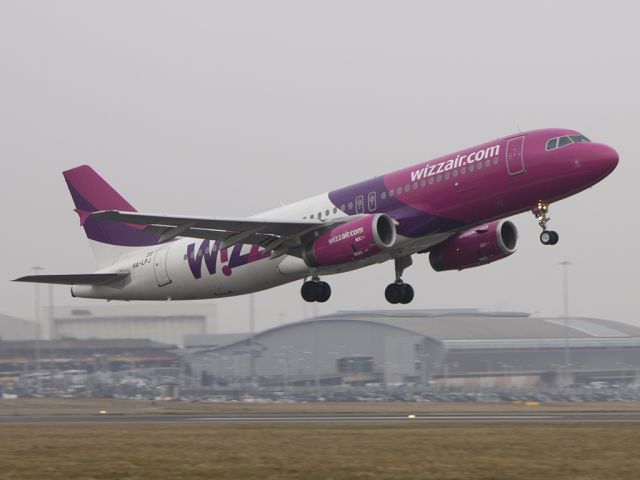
{"x": 252, "y": 328}
{"x": 567, "y": 352}
{"x": 36, "y": 312}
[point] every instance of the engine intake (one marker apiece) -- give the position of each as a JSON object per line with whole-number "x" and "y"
{"x": 479, "y": 246}
{"x": 350, "y": 241}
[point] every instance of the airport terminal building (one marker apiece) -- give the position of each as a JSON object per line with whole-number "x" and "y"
{"x": 466, "y": 348}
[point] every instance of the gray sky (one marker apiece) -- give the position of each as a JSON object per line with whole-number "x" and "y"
{"x": 228, "y": 108}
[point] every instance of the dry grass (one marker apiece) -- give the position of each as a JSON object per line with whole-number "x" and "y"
{"x": 53, "y": 406}
{"x": 320, "y": 451}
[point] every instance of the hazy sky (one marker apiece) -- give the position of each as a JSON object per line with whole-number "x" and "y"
{"x": 228, "y": 108}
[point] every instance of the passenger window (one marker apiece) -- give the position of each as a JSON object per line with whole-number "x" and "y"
{"x": 326, "y": 212}
{"x": 383, "y": 195}
{"x": 399, "y": 190}
{"x": 487, "y": 163}
{"x": 495, "y": 161}
{"x": 350, "y": 205}
{"x": 311, "y": 216}
{"x": 342, "y": 207}
{"x": 562, "y": 141}
{"x": 391, "y": 193}
{"x": 439, "y": 179}
{"x": 430, "y": 180}
{"x": 335, "y": 209}
{"x": 446, "y": 176}
{"x": 407, "y": 187}
{"x": 319, "y": 215}
{"x": 423, "y": 183}
{"x": 479, "y": 164}
{"x": 415, "y": 185}
{"x": 463, "y": 170}
{"x": 455, "y": 173}
{"x": 551, "y": 144}
{"x": 471, "y": 168}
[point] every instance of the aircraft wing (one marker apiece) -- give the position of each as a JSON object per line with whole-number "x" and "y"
{"x": 75, "y": 279}
{"x": 268, "y": 233}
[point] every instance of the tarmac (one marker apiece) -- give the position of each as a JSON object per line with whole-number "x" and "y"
{"x": 409, "y": 418}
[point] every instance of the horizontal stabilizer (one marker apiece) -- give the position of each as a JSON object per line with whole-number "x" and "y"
{"x": 75, "y": 279}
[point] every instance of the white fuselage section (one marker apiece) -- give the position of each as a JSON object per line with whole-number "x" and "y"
{"x": 188, "y": 268}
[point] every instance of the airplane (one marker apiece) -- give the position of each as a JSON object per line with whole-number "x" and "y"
{"x": 453, "y": 207}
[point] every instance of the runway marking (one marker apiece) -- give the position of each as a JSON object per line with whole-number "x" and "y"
{"x": 371, "y": 418}
{"x": 506, "y": 417}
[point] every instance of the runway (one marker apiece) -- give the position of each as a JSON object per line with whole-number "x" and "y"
{"x": 574, "y": 417}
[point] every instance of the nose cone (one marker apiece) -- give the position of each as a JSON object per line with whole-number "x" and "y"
{"x": 605, "y": 159}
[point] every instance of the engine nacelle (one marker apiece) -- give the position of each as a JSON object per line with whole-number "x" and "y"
{"x": 351, "y": 241}
{"x": 479, "y": 246}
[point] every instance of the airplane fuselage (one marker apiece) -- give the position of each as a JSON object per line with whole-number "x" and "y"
{"x": 429, "y": 201}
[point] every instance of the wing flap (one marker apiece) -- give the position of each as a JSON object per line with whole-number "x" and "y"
{"x": 75, "y": 279}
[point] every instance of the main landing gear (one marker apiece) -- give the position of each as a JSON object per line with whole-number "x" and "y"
{"x": 398, "y": 291}
{"x": 315, "y": 290}
{"x": 547, "y": 237}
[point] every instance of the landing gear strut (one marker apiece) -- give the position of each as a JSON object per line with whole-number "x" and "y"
{"x": 547, "y": 237}
{"x": 315, "y": 290}
{"x": 398, "y": 291}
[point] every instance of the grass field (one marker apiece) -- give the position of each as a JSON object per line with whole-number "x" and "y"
{"x": 320, "y": 451}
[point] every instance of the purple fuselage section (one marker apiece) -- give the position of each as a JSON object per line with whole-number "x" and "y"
{"x": 494, "y": 180}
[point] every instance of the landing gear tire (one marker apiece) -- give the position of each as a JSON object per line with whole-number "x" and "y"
{"x": 407, "y": 293}
{"x": 399, "y": 293}
{"x": 325, "y": 292}
{"x": 392, "y": 293}
{"x": 549, "y": 237}
{"x": 315, "y": 291}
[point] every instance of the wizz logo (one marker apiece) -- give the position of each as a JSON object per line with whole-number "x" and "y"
{"x": 209, "y": 253}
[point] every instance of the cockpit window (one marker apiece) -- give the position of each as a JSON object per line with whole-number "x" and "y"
{"x": 565, "y": 140}
{"x": 579, "y": 138}
{"x": 562, "y": 141}
{"x": 551, "y": 144}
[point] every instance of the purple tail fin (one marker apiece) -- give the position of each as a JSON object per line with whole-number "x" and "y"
{"x": 91, "y": 193}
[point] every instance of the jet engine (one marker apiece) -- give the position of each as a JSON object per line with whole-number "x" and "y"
{"x": 351, "y": 241}
{"x": 479, "y": 246}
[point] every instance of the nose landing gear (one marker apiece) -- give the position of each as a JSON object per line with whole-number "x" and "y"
{"x": 398, "y": 291}
{"x": 547, "y": 237}
{"x": 315, "y": 290}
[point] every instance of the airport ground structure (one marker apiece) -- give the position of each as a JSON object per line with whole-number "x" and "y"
{"x": 161, "y": 322}
{"x": 464, "y": 349}
{"x": 457, "y": 350}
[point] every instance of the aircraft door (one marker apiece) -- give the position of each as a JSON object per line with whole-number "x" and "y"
{"x": 372, "y": 201}
{"x": 160, "y": 267}
{"x": 515, "y": 158}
